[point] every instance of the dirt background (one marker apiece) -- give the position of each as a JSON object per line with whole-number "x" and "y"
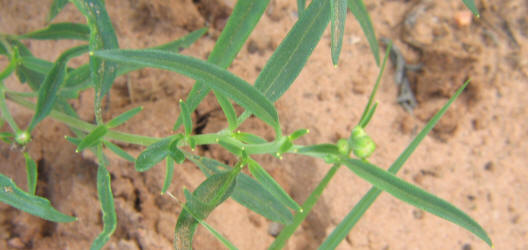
{"x": 476, "y": 157}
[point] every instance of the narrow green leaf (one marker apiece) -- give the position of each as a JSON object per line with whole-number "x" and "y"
{"x": 33, "y": 71}
{"x": 175, "y": 153}
{"x": 182, "y": 43}
{"x": 357, "y": 7}
{"x": 285, "y": 146}
{"x": 35, "y": 205}
{"x": 186, "y": 116}
{"x": 59, "y": 31}
{"x": 72, "y": 140}
{"x": 248, "y": 192}
{"x": 153, "y": 154}
{"x": 55, "y": 8}
{"x": 249, "y": 138}
{"x": 217, "y": 78}
{"x": 6, "y": 136}
{"x": 318, "y": 150}
{"x": 6, "y": 115}
{"x": 118, "y": 151}
{"x": 92, "y": 138}
{"x": 298, "y": 133}
{"x": 271, "y": 185}
{"x": 338, "y": 10}
{"x": 368, "y": 116}
{"x": 122, "y": 118}
{"x": 32, "y": 174}
{"x": 344, "y": 227}
{"x": 364, "y": 120}
{"x": 307, "y": 206}
{"x": 3, "y": 49}
{"x": 228, "y": 109}
{"x": 200, "y": 210}
{"x": 79, "y": 79}
{"x": 106, "y": 198}
{"x": 211, "y": 193}
{"x": 169, "y": 173}
{"x": 51, "y": 85}
{"x": 77, "y": 76}
{"x": 290, "y": 57}
{"x": 102, "y": 36}
{"x": 301, "y": 4}
{"x": 174, "y": 46}
{"x": 471, "y": 6}
{"x": 240, "y": 24}
{"x": 414, "y": 196}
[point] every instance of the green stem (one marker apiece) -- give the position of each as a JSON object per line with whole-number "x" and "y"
{"x": 262, "y": 148}
{"x": 87, "y": 127}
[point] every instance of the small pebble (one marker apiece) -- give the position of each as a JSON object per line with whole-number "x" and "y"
{"x": 463, "y": 18}
{"x": 275, "y": 228}
{"x": 16, "y": 243}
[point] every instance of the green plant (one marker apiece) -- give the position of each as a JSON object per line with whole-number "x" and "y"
{"x": 53, "y": 83}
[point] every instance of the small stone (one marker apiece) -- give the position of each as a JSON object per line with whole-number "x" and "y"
{"x": 463, "y": 18}
{"x": 418, "y": 214}
{"x": 274, "y": 228}
{"x": 16, "y": 243}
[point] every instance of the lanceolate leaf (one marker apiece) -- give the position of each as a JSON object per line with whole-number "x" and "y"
{"x": 240, "y": 24}
{"x": 248, "y": 192}
{"x": 78, "y": 79}
{"x": 118, "y": 151}
{"x": 290, "y": 57}
{"x": 271, "y": 185}
{"x": 154, "y": 153}
{"x": 102, "y": 36}
{"x": 169, "y": 173}
{"x": 217, "y": 78}
{"x": 92, "y": 138}
{"x": 51, "y": 85}
{"x": 122, "y": 118}
{"x": 106, "y": 198}
{"x": 414, "y": 196}
{"x": 58, "y": 31}
{"x": 229, "y": 111}
{"x": 55, "y": 8}
{"x": 32, "y": 174}
{"x": 357, "y": 7}
{"x": 471, "y": 6}
{"x": 174, "y": 46}
{"x": 182, "y": 43}
{"x": 338, "y": 10}
{"x": 186, "y": 116}
{"x": 301, "y": 4}
{"x": 35, "y": 205}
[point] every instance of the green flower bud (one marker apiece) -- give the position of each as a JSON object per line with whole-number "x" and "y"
{"x": 23, "y": 137}
{"x": 362, "y": 145}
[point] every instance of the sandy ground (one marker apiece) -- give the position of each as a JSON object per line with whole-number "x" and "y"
{"x": 476, "y": 157}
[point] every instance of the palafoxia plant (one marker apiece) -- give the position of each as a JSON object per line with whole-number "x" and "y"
{"x": 54, "y": 83}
